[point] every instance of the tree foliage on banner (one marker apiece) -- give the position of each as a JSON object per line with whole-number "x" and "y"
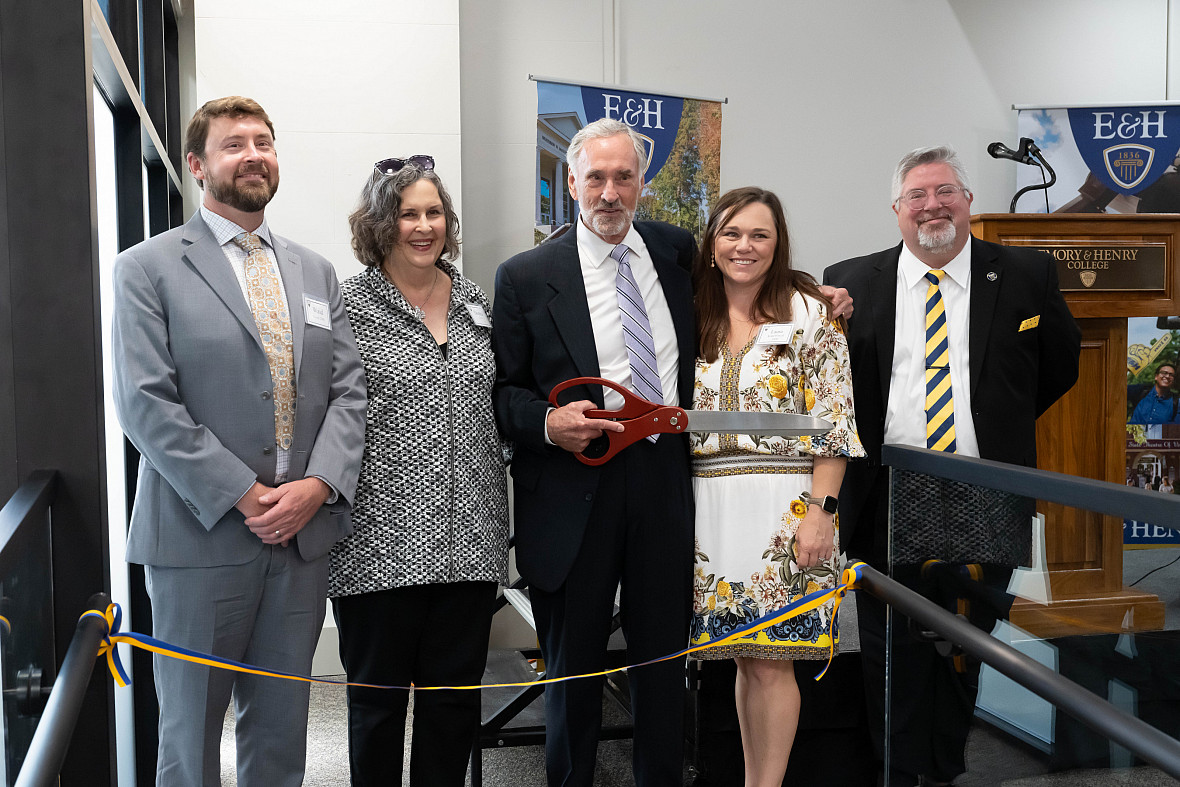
{"x": 689, "y": 182}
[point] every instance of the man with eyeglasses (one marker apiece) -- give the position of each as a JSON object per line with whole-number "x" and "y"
{"x": 957, "y": 345}
{"x": 238, "y": 380}
{"x": 1158, "y": 405}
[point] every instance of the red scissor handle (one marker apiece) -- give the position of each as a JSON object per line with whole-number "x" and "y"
{"x": 640, "y": 418}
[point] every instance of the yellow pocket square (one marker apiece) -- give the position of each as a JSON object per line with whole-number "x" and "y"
{"x": 1031, "y": 322}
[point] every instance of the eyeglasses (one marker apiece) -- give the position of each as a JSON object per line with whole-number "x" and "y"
{"x": 946, "y": 195}
{"x": 391, "y": 166}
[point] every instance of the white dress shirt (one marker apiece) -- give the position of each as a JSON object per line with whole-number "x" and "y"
{"x": 599, "y": 272}
{"x": 905, "y": 417}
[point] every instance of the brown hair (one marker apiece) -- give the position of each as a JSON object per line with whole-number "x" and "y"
{"x": 374, "y": 222}
{"x": 773, "y": 301}
{"x": 235, "y": 107}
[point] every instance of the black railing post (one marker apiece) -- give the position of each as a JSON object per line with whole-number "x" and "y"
{"x": 51, "y": 741}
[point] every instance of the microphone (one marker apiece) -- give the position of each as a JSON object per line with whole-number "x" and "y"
{"x": 1028, "y": 153}
{"x": 1022, "y": 156}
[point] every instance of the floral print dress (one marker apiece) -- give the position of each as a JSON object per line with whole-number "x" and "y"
{"x": 747, "y": 488}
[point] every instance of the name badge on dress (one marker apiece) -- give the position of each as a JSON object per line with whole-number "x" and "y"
{"x": 776, "y": 333}
{"x": 478, "y": 315}
{"x": 316, "y": 312}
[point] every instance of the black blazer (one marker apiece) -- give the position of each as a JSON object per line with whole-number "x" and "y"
{"x": 542, "y": 335}
{"x": 1015, "y": 375}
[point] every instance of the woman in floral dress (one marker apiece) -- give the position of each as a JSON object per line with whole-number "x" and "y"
{"x": 764, "y": 538}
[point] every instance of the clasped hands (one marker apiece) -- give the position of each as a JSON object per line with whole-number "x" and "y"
{"x": 277, "y": 514}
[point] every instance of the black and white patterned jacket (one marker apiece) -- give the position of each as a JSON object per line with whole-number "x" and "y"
{"x": 432, "y": 502}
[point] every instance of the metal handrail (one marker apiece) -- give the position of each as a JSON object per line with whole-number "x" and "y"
{"x": 1143, "y": 740}
{"x": 51, "y": 741}
{"x": 1101, "y": 496}
{"x": 33, "y": 496}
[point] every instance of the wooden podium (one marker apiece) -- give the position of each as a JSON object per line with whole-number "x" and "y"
{"x": 1111, "y": 267}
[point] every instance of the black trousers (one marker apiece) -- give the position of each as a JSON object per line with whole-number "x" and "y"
{"x": 428, "y": 635}
{"x": 640, "y": 532}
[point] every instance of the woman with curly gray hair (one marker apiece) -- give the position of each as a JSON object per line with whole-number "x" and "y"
{"x": 414, "y": 587}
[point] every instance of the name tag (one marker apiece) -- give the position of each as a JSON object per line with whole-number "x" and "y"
{"x": 478, "y": 315}
{"x": 1031, "y": 322}
{"x": 776, "y": 333}
{"x": 316, "y": 312}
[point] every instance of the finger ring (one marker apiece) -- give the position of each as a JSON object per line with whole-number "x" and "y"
{"x": 278, "y": 532}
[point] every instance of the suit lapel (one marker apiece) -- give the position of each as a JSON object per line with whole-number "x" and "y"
{"x": 207, "y": 258}
{"x": 570, "y": 311}
{"x": 677, "y": 285}
{"x": 291, "y": 270}
{"x": 883, "y": 306}
{"x": 986, "y": 275}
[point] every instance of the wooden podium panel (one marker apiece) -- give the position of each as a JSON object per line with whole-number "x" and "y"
{"x": 1084, "y": 433}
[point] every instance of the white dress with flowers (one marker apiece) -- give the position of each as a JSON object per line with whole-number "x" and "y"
{"x": 747, "y": 489}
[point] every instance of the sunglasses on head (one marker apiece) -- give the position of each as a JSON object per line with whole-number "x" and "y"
{"x": 391, "y": 166}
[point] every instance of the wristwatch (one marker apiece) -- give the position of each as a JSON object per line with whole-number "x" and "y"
{"x": 828, "y": 503}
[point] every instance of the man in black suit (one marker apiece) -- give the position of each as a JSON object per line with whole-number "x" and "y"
{"x": 580, "y": 530}
{"x": 1013, "y": 351}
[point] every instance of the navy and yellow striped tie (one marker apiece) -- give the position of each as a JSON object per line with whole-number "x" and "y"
{"x": 940, "y": 404}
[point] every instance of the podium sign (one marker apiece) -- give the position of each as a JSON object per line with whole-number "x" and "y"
{"x": 1107, "y": 266}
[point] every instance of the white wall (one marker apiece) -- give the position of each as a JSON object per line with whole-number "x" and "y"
{"x": 501, "y": 43}
{"x": 824, "y": 97}
{"x": 346, "y": 83}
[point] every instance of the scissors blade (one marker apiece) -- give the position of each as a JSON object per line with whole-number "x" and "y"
{"x": 783, "y": 424}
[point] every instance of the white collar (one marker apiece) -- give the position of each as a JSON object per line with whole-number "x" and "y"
{"x": 225, "y": 230}
{"x": 912, "y": 270}
{"x": 595, "y": 250}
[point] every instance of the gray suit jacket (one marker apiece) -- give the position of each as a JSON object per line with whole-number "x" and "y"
{"x": 193, "y": 393}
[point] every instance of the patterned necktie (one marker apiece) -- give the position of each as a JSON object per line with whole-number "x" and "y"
{"x": 645, "y": 371}
{"x": 940, "y": 405}
{"x": 264, "y": 292}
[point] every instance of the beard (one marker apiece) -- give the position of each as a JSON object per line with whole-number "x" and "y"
{"x": 608, "y": 225}
{"x": 937, "y": 240}
{"x": 249, "y": 197}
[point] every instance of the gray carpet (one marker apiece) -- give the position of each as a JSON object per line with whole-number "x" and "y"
{"x": 327, "y": 750}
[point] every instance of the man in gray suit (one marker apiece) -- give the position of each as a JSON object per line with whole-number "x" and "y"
{"x": 237, "y": 377}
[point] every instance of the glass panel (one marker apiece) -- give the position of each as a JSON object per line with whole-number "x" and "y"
{"x": 1055, "y": 583}
{"x": 26, "y": 646}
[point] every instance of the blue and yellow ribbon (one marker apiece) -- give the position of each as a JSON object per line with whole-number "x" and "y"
{"x": 849, "y": 580}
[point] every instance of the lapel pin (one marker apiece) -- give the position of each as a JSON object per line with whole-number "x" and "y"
{"x": 992, "y": 276}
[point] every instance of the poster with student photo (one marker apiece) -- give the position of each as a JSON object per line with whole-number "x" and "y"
{"x": 1153, "y": 425}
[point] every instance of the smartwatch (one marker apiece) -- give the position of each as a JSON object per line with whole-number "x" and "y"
{"x": 828, "y": 503}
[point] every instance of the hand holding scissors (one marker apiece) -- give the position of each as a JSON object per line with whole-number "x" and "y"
{"x": 640, "y": 418}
